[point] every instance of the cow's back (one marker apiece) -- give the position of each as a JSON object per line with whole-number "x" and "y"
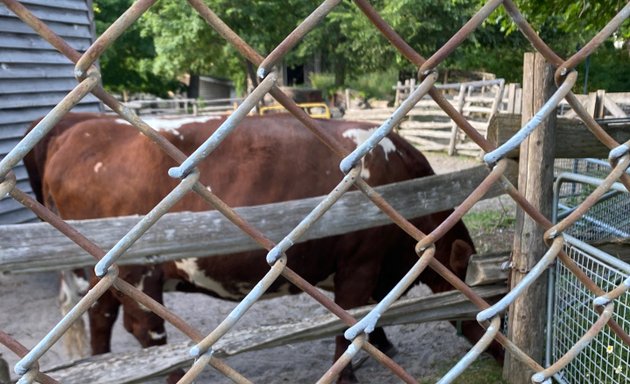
{"x": 105, "y": 168}
{"x": 35, "y": 160}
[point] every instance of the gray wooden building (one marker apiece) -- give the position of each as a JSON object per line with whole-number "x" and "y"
{"x": 34, "y": 77}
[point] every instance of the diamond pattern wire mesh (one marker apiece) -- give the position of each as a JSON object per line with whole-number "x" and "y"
{"x": 609, "y": 218}
{"x": 89, "y": 76}
{"x": 606, "y": 359}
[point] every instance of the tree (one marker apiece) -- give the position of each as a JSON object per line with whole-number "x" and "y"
{"x": 346, "y": 40}
{"x": 184, "y": 43}
{"x": 581, "y": 18}
{"x": 566, "y": 26}
{"x": 126, "y": 65}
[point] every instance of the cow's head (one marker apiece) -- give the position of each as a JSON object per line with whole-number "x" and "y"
{"x": 454, "y": 255}
{"x": 460, "y": 256}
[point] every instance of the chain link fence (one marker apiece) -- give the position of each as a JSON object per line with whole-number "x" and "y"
{"x": 605, "y": 298}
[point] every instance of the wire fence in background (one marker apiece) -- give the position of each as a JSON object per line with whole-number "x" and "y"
{"x": 605, "y": 297}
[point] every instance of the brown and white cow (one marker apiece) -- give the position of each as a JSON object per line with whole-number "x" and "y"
{"x": 103, "y": 167}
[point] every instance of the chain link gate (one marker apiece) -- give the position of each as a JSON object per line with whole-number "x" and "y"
{"x": 490, "y": 316}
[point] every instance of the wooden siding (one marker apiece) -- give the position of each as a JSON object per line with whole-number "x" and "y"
{"x": 34, "y": 77}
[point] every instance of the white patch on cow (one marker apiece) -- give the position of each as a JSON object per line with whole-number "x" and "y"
{"x": 157, "y": 336}
{"x": 122, "y": 121}
{"x": 198, "y": 277}
{"x": 140, "y": 287}
{"x": 107, "y": 314}
{"x": 359, "y": 136}
{"x": 82, "y": 284}
{"x": 171, "y": 124}
{"x": 98, "y": 166}
{"x": 65, "y": 294}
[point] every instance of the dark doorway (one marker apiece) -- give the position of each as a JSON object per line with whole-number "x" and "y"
{"x": 295, "y": 75}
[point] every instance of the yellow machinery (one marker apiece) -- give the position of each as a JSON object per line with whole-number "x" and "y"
{"x": 315, "y": 110}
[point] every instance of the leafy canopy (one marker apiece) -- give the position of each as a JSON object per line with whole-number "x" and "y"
{"x": 171, "y": 39}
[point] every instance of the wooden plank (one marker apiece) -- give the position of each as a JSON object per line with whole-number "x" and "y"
{"x": 613, "y": 108}
{"x": 34, "y": 85}
{"x": 421, "y": 112}
{"x": 527, "y": 314}
{"x": 478, "y": 109}
{"x": 426, "y": 133}
{"x": 18, "y": 119}
{"x": 17, "y": 216}
{"x": 138, "y": 366}
{"x": 35, "y": 99}
{"x": 39, "y": 247}
{"x": 423, "y": 144}
{"x": 573, "y": 139}
{"x": 417, "y": 125}
{"x": 37, "y": 70}
{"x": 12, "y": 130}
{"x": 65, "y": 4}
{"x": 461, "y": 98}
{"x": 487, "y": 269}
{"x": 54, "y": 14}
{"x": 15, "y": 25}
{"x": 22, "y": 41}
{"x": 18, "y": 56}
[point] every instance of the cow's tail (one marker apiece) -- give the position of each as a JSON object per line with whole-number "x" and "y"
{"x": 72, "y": 289}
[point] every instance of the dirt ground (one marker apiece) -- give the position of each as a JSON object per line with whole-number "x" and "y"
{"x": 28, "y": 310}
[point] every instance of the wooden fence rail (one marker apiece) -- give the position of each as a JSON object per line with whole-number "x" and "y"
{"x": 39, "y": 247}
{"x": 138, "y": 366}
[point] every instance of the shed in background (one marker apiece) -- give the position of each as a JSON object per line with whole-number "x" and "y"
{"x": 209, "y": 88}
{"x": 34, "y": 77}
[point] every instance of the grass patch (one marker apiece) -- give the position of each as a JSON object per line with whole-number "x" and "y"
{"x": 491, "y": 230}
{"x": 484, "y": 370}
{"x": 488, "y": 221}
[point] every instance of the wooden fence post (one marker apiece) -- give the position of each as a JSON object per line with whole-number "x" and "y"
{"x": 527, "y": 318}
{"x": 454, "y": 129}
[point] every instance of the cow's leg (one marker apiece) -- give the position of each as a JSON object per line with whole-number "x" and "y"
{"x": 147, "y": 327}
{"x": 380, "y": 341}
{"x": 355, "y": 282}
{"x": 102, "y": 316}
{"x": 140, "y": 321}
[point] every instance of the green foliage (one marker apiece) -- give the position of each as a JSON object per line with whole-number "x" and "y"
{"x": 171, "y": 39}
{"x": 608, "y": 70}
{"x": 580, "y": 18}
{"x": 488, "y": 221}
{"x": 376, "y": 85}
{"x": 325, "y": 82}
{"x": 127, "y": 64}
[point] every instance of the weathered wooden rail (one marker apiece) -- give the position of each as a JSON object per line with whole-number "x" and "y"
{"x": 39, "y": 247}
{"x": 143, "y": 364}
{"x": 573, "y": 131}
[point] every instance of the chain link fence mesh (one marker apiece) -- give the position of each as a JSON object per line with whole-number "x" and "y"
{"x": 605, "y": 297}
{"x": 606, "y": 359}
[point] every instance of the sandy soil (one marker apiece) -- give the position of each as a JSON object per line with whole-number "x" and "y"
{"x": 28, "y": 310}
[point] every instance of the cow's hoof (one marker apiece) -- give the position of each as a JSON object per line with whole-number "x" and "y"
{"x": 347, "y": 376}
{"x": 174, "y": 376}
{"x": 389, "y": 351}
